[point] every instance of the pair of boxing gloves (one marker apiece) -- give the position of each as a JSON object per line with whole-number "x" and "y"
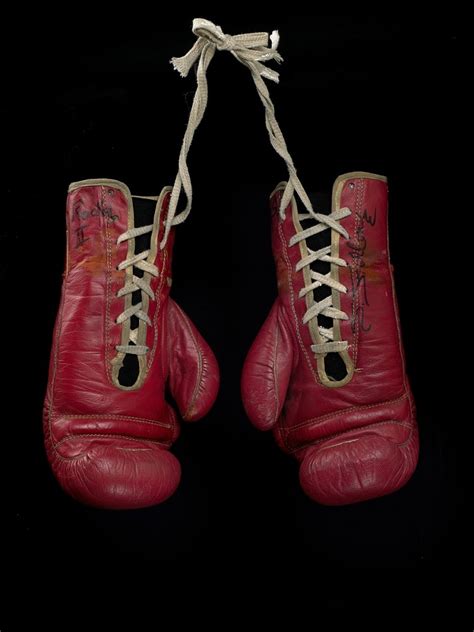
{"x": 326, "y": 372}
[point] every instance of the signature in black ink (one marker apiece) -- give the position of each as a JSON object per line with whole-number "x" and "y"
{"x": 81, "y": 214}
{"x": 357, "y": 248}
{"x": 80, "y": 235}
{"x": 97, "y": 211}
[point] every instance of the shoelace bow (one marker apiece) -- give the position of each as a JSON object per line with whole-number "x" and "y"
{"x": 137, "y": 283}
{"x": 252, "y": 50}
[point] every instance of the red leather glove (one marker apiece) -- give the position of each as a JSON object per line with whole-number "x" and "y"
{"x": 118, "y": 340}
{"x": 332, "y": 385}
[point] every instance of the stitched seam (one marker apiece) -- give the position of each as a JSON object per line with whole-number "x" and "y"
{"x": 109, "y": 436}
{"x": 55, "y": 365}
{"x": 174, "y": 425}
{"x": 201, "y": 364}
{"x": 402, "y": 424}
{"x": 355, "y": 320}
{"x": 410, "y": 434}
{"x": 356, "y": 295}
{"x": 115, "y": 418}
{"x": 84, "y": 456}
{"x": 361, "y": 187}
{"x": 108, "y": 279}
{"x": 157, "y": 310}
{"x": 134, "y": 449}
{"x": 397, "y": 323}
{"x": 275, "y": 381}
{"x": 284, "y": 434}
{"x": 59, "y": 325}
{"x": 317, "y": 420}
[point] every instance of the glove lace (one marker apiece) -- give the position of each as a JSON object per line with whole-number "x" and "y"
{"x": 252, "y": 50}
{"x": 136, "y": 283}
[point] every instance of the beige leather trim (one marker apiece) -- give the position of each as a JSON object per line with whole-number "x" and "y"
{"x": 117, "y": 361}
{"x": 279, "y": 187}
{"x": 358, "y": 174}
{"x": 336, "y": 296}
{"x": 94, "y": 182}
{"x": 66, "y": 272}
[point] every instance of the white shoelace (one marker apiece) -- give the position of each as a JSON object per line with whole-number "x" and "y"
{"x": 325, "y": 306}
{"x": 137, "y": 283}
{"x": 252, "y": 50}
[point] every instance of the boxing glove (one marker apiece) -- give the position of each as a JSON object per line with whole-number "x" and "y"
{"x": 326, "y": 372}
{"x": 119, "y": 340}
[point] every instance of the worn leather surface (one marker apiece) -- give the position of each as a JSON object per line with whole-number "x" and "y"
{"x": 359, "y": 440}
{"x": 107, "y": 446}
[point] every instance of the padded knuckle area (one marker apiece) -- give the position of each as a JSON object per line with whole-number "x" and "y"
{"x": 116, "y": 473}
{"x": 359, "y": 465}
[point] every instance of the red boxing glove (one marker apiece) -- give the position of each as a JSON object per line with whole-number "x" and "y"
{"x": 326, "y": 371}
{"x": 118, "y": 340}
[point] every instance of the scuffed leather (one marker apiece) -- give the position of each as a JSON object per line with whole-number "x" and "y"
{"x": 359, "y": 440}
{"x": 108, "y": 447}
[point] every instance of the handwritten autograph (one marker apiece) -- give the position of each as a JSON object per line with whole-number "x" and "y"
{"x": 81, "y": 214}
{"x": 80, "y": 235}
{"x": 357, "y": 248}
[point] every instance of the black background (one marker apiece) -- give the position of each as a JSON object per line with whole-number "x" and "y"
{"x": 95, "y": 96}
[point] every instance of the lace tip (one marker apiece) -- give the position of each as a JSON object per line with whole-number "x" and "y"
{"x": 275, "y": 39}
{"x": 176, "y": 63}
{"x": 271, "y": 75}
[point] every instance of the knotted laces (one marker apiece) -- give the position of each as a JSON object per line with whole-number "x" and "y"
{"x": 253, "y": 50}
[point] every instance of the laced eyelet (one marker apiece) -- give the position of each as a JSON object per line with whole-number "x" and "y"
{"x": 137, "y": 260}
{"x": 317, "y": 279}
